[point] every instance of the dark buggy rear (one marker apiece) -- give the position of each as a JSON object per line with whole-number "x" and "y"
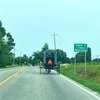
{"x": 50, "y": 60}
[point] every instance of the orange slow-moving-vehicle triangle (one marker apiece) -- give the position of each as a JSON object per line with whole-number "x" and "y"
{"x": 50, "y": 61}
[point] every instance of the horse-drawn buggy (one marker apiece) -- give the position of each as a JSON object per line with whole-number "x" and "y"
{"x": 50, "y": 60}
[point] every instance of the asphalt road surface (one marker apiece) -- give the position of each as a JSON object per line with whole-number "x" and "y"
{"x": 26, "y": 83}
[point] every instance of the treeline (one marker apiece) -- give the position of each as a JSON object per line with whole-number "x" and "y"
{"x": 21, "y": 60}
{"x": 37, "y": 56}
{"x": 6, "y": 45}
{"x": 80, "y": 57}
{"x": 7, "y": 55}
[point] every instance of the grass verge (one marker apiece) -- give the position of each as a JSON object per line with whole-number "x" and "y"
{"x": 92, "y": 80}
{"x": 8, "y": 66}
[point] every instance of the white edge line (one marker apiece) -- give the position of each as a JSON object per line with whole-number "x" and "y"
{"x": 80, "y": 86}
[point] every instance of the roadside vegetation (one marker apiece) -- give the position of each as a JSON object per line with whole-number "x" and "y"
{"x": 7, "y": 51}
{"x": 6, "y": 46}
{"x": 92, "y": 79}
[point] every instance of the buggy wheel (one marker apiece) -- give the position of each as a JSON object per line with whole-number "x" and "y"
{"x": 58, "y": 68}
{"x": 49, "y": 70}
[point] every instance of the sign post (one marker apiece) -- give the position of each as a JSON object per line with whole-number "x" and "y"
{"x": 80, "y": 48}
{"x": 75, "y": 64}
{"x": 85, "y": 64}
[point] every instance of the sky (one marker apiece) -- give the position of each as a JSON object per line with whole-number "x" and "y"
{"x": 32, "y": 23}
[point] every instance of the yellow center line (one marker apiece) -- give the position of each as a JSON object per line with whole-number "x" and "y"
{"x": 13, "y": 75}
{"x": 16, "y": 75}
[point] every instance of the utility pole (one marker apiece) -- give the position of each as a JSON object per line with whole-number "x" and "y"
{"x": 14, "y": 57}
{"x": 20, "y": 59}
{"x": 97, "y": 57}
{"x": 54, "y": 40}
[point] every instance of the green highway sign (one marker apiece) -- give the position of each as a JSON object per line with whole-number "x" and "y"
{"x": 80, "y": 47}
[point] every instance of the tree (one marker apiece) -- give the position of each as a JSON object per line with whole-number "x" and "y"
{"x": 80, "y": 57}
{"x": 2, "y": 31}
{"x": 68, "y": 60}
{"x": 30, "y": 60}
{"x": 3, "y": 49}
{"x": 22, "y": 60}
{"x": 38, "y": 55}
{"x": 88, "y": 55}
{"x": 6, "y": 45}
{"x": 10, "y": 41}
{"x": 61, "y": 56}
{"x": 72, "y": 60}
{"x": 25, "y": 59}
{"x": 45, "y": 47}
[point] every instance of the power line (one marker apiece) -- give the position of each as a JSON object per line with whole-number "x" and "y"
{"x": 24, "y": 23}
{"x": 54, "y": 40}
{"x": 64, "y": 42}
{"x": 23, "y": 26}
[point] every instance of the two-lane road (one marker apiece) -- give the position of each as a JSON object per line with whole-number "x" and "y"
{"x": 26, "y": 83}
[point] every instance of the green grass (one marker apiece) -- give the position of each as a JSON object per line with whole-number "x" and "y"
{"x": 8, "y": 66}
{"x": 92, "y": 79}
